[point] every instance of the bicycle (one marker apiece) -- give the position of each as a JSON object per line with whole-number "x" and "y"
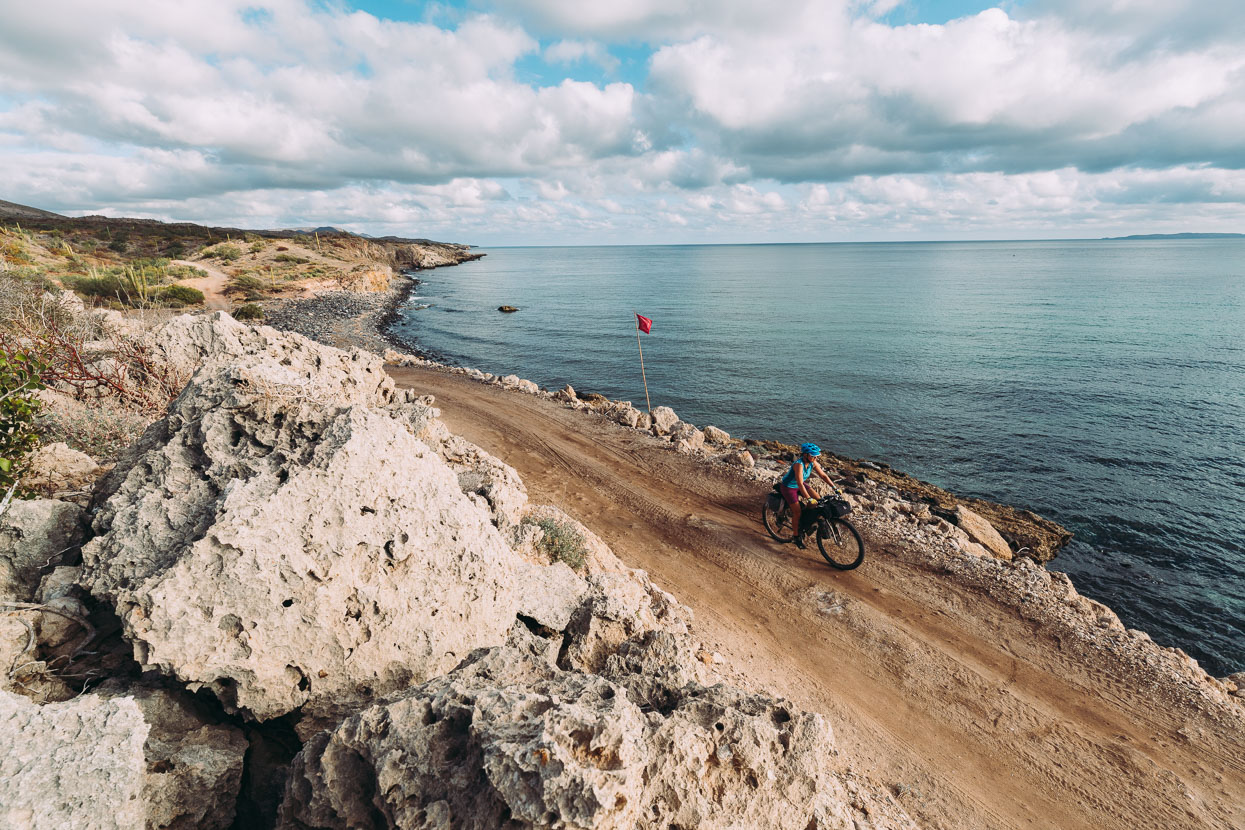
{"x": 837, "y": 539}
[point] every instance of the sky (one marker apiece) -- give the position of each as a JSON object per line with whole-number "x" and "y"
{"x": 571, "y": 122}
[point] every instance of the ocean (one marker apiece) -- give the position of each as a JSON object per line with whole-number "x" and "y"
{"x": 1099, "y": 383}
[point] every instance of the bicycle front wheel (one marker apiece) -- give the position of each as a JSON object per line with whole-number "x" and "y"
{"x": 777, "y": 522}
{"x": 840, "y": 544}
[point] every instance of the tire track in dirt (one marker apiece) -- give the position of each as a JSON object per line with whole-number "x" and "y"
{"x": 932, "y": 687}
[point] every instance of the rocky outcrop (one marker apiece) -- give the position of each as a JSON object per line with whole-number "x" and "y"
{"x": 34, "y": 536}
{"x": 285, "y": 539}
{"x": 116, "y": 758}
{"x": 981, "y": 532}
{"x": 664, "y": 419}
{"x": 718, "y": 437}
{"x": 56, "y": 471}
{"x": 509, "y": 741}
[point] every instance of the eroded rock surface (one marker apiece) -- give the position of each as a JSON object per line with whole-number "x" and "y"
{"x": 506, "y": 741}
{"x": 34, "y": 536}
{"x": 283, "y": 538}
{"x": 116, "y": 758}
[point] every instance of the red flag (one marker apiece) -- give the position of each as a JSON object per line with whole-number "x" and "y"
{"x": 643, "y": 323}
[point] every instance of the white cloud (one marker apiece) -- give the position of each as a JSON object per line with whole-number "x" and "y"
{"x": 574, "y": 51}
{"x": 799, "y": 117}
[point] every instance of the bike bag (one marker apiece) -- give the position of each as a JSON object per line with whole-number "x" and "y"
{"x": 837, "y": 508}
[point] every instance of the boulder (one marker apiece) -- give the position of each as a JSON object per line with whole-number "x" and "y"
{"x": 508, "y": 740}
{"x": 982, "y": 532}
{"x": 566, "y": 394}
{"x": 627, "y": 415}
{"x": 664, "y": 419}
{"x": 34, "y": 535}
{"x": 484, "y": 478}
{"x": 283, "y": 539}
{"x": 529, "y": 387}
{"x": 718, "y": 437}
{"x": 743, "y": 458}
{"x": 117, "y": 758}
{"x": 644, "y": 422}
{"x": 684, "y": 432}
{"x": 57, "y": 471}
{"x": 618, "y": 607}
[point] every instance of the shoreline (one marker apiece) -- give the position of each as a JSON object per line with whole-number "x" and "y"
{"x": 1029, "y": 534}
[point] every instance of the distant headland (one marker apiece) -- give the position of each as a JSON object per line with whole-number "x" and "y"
{"x": 1175, "y": 236}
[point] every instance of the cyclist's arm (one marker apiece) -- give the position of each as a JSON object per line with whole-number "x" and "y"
{"x": 822, "y": 474}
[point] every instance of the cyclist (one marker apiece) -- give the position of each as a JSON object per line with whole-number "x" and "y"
{"x": 795, "y": 484}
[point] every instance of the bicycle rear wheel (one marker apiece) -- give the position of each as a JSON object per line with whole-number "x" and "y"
{"x": 777, "y": 522}
{"x": 840, "y": 544}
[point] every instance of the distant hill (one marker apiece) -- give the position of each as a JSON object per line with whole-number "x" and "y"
{"x": 12, "y": 210}
{"x": 1176, "y": 236}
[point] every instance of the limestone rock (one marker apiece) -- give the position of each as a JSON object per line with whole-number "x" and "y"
{"x": 566, "y": 394}
{"x": 484, "y": 476}
{"x": 619, "y": 606}
{"x": 644, "y": 422}
{"x": 628, "y": 416}
{"x": 34, "y": 535}
{"x": 982, "y": 532}
{"x": 743, "y": 458}
{"x": 116, "y": 759}
{"x": 507, "y": 738}
{"x": 716, "y": 436}
{"x": 688, "y": 434}
{"x": 664, "y": 419}
{"x": 57, "y": 471}
{"x": 283, "y": 539}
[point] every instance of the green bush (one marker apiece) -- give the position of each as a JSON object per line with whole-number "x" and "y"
{"x": 562, "y": 542}
{"x": 180, "y": 294}
{"x": 250, "y": 311}
{"x": 19, "y": 379}
{"x": 297, "y": 260}
{"x": 247, "y": 282}
{"x": 225, "y": 251}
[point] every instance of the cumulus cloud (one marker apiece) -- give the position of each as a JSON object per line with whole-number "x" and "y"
{"x": 809, "y": 118}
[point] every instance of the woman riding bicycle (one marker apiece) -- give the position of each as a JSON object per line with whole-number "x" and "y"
{"x": 794, "y": 484}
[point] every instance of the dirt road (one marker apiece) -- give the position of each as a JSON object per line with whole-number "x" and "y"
{"x": 972, "y": 716}
{"x": 213, "y": 285}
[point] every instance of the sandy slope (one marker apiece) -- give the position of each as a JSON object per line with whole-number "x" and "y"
{"x": 974, "y": 717}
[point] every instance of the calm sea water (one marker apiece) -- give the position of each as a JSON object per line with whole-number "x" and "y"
{"x": 1101, "y": 384}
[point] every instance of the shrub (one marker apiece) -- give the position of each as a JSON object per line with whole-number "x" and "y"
{"x": 101, "y": 430}
{"x": 250, "y": 311}
{"x": 19, "y": 379}
{"x": 297, "y": 260}
{"x": 257, "y": 246}
{"x": 224, "y": 251}
{"x": 180, "y": 294}
{"x": 247, "y": 282}
{"x": 562, "y": 543}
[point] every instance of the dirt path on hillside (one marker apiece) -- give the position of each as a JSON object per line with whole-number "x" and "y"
{"x": 972, "y": 716}
{"x": 212, "y": 286}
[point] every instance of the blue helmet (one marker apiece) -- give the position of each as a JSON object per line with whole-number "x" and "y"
{"x": 811, "y": 449}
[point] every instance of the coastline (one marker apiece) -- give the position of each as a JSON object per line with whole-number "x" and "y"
{"x": 1029, "y": 535}
{"x": 368, "y": 326}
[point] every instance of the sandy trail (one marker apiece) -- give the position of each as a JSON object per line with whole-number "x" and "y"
{"x": 971, "y": 715}
{"x": 212, "y": 286}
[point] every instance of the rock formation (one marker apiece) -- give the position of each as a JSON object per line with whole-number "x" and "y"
{"x": 508, "y": 741}
{"x": 116, "y": 758}
{"x": 284, "y": 537}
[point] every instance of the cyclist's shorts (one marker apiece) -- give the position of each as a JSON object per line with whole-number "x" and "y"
{"x": 790, "y": 494}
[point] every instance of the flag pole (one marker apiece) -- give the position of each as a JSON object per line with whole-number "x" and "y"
{"x": 647, "y": 402}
